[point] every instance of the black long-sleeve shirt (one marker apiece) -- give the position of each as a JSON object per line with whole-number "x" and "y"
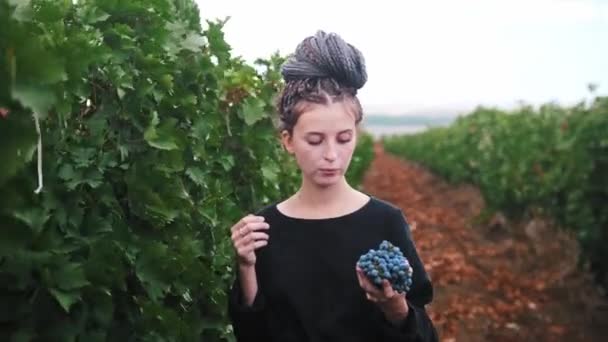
{"x": 307, "y": 283}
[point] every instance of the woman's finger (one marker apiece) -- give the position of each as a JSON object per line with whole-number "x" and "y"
{"x": 246, "y": 220}
{"x": 240, "y": 223}
{"x": 260, "y": 243}
{"x": 368, "y": 286}
{"x": 387, "y": 289}
{"x": 250, "y": 238}
{"x": 379, "y": 296}
{"x": 247, "y": 228}
{"x": 259, "y": 236}
{"x": 252, "y": 226}
{"x": 245, "y": 250}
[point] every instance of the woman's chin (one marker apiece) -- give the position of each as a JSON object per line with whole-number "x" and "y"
{"x": 326, "y": 181}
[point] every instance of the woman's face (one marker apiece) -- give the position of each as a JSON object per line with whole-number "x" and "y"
{"x": 323, "y": 142}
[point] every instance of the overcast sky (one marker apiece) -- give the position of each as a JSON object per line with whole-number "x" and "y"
{"x": 441, "y": 56}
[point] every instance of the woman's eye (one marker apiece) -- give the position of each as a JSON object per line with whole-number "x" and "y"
{"x": 315, "y": 142}
{"x": 343, "y": 139}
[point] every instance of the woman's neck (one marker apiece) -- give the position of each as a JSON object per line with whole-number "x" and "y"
{"x": 311, "y": 196}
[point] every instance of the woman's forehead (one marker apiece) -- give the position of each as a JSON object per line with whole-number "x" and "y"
{"x": 332, "y": 127}
{"x": 334, "y": 117}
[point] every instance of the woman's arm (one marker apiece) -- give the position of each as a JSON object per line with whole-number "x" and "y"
{"x": 247, "y": 307}
{"x": 249, "y": 283}
{"x": 417, "y": 326}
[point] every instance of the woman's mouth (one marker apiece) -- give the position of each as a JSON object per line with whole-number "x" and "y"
{"x": 328, "y": 172}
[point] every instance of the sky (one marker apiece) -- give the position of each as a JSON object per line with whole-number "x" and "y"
{"x": 440, "y": 57}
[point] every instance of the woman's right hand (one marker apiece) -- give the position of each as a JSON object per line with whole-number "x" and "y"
{"x": 247, "y": 237}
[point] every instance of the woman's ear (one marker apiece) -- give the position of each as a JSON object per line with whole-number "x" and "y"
{"x": 286, "y": 141}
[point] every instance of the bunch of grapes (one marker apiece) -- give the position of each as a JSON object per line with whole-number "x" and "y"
{"x": 388, "y": 263}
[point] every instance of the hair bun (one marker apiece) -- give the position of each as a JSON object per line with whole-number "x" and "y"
{"x": 326, "y": 56}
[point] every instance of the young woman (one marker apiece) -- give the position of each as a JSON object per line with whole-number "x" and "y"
{"x": 297, "y": 278}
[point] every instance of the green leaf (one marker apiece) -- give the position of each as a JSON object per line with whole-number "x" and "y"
{"x": 66, "y": 172}
{"x": 120, "y": 92}
{"x": 253, "y": 110}
{"x": 23, "y": 10}
{"x": 106, "y": 266}
{"x": 35, "y": 218}
{"x": 18, "y": 144}
{"x": 92, "y": 15}
{"x": 219, "y": 46}
{"x": 194, "y": 42}
{"x": 97, "y": 125}
{"x": 270, "y": 172}
{"x": 196, "y": 175}
{"x": 161, "y": 211}
{"x": 167, "y": 81}
{"x": 162, "y": 143}
{"x": 190, "y": 99}
{"x": 39, "y": 99}
{"x": 170, "y": 161}
{"x": 201, "y": 128}
{"x": 227, "y": 162}
{"x": 38, "y": 65}
{"x": 99, "y": 16}
{"x": 52, "y": 11}
{"x": 65, "y": 298}
{"x": 208, "y": 212}
{"x": 83, "y": 156}
{"x": 70, "y": 276}
{"x": 93, "y": 178}
{"x": 163, "y": 137}
{"x": 151, "y": 269}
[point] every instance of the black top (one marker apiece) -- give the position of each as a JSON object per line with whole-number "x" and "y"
{"x": 307, "y": 283}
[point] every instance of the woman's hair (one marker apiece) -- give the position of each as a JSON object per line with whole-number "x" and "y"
{"x": 324, "y": 69}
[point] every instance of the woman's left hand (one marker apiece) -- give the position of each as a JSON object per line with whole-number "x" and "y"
{"x": 392, "y": 303}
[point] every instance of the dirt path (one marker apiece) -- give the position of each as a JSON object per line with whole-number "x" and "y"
{"x": 494, "y": 281}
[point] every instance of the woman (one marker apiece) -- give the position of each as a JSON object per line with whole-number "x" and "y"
{"x": 297, "y": 278}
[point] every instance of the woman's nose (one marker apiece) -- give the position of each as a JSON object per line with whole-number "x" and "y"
{"x": 330, "y": 152}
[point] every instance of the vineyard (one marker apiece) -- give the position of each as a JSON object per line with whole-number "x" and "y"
{"x": 131, "y": 141}
{"x": 494, "y": 280}
{"x": 551, "y": 161}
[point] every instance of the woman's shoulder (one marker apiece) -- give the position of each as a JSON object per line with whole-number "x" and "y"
{"x": 267, "y": 209}
{"x": 383, "y": 206}
{"x": 382, "y": 210}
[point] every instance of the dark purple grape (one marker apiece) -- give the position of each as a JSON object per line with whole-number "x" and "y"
{"x": 387, "y": 262}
